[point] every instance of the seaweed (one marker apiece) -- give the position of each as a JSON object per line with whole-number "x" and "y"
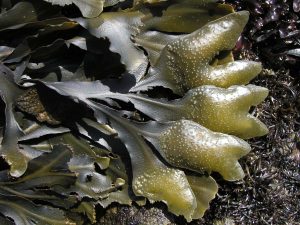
{"x": 84, "y": 123}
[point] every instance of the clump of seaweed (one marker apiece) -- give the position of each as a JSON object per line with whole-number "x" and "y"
{"x": 121, "y": 104}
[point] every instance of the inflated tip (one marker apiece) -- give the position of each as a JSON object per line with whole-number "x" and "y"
{"x": 238, "y": 19}
{"x": 242, "y": 17}
{"x": 258, "y": 93}
{"x": 253, "y": 128}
